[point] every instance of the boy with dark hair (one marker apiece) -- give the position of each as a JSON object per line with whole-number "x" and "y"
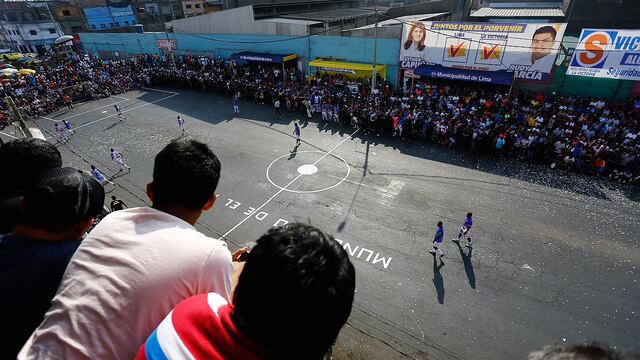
{"x": 137, "y": 264}
{"x": 57, "y": 211}
{"x": 293, "y": 297}
{"x": 26, "y": 159}
{"x": 438, "y": 237}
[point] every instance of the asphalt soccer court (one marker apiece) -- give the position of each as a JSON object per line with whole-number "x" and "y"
{"x": 555, "y": 258}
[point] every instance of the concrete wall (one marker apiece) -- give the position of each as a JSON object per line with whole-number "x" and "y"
{"x": 307, "y": 48}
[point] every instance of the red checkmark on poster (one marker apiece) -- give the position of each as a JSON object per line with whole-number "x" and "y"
{"x": 454, "y": 50}
{"x": 489, "y": 52}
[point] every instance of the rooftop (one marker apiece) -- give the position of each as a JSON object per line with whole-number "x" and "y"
{"x": 291, "y": 21}
{"x": 336, "y": 14}
{"x": 532, "y": 12}
{"x": 401, "y": 19}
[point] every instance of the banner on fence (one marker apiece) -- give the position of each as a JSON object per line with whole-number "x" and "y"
{"x": 528, "y": 50}
{"x": 606, "y": 53}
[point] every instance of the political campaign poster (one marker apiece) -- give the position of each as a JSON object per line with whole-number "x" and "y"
{"x": 527, "y": 50}
{"x": 607, "y": 53}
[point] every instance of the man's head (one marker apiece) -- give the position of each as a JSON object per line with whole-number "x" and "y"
{"x": 439, "y": 223}
{"x": 469, "y": 215}
{"x": 25, "y": 160}
{"x": 63, "y": 200}
{"x": 542, "y": 42}
{"x": 185, "y": 175}
{"x": 295, "y": 292}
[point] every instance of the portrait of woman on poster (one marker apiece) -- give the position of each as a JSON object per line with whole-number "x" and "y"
{"x": 416, "y": 36}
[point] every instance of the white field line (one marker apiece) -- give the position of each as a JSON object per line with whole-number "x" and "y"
{"x": 133, "y": 108}
{"x": 283, "y": 189}
{"x": 85, "y": 112}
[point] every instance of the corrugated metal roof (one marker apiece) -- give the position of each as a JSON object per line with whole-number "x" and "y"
{"x": 336, "y": 14}
{"x": 291, "y": 21}
{"x": 400, "y": 20}
{"x": 518, "y": 12}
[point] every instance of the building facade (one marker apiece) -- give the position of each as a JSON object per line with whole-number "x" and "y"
{"x": 192, "y": 7}
{"x": 29, "y": 27}
{"x": 157, "y": 15}
{"x": 70, "y": 18}
{"x": 108, "y": 17}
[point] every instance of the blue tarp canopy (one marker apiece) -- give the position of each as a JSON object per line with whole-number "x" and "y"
{"x": 269, "y": 58}
{"x": 500, "y": 77}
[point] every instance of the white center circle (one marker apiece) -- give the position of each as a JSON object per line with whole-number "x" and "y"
{"x": 307, "y": 169}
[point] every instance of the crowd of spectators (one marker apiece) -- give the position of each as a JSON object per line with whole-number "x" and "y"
{"x": 61, "y": 83}
{"x": 587, "y": 135}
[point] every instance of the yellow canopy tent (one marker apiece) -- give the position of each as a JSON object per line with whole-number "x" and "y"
{"x": 27, "y": 71}
{"x": 13, "y": 56}
{"x": 352, "y": 70}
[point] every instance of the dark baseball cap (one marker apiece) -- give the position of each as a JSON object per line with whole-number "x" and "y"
{"x": 61, "y": 198}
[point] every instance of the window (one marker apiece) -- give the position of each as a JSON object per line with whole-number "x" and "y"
{"x": 33, "y": 32}
{"x": 110, "y": 24}
{"x": 52, "y": 31}
{"x": 117, "y": 23}
{"x": 188, "y": 6}
{"x": 103, "y": 26}
{"x": 66, "y": 13}
{"x": 93, "y": 26}
{"x": 197, "y": 6}
{"x": 126, "y": 23}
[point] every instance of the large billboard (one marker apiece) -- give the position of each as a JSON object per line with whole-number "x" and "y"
{"x": 528, "y": 50}
{"x": 605, "y": 53}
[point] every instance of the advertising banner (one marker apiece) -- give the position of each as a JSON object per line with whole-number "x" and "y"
{"x": 164, "y": 44}
{"x": 528, "y": 50}
{"x": 501, "y": 77}
{"x": 605, "y": 53}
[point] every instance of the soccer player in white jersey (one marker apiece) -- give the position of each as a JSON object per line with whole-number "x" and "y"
{"x": 181, "y": 124}
{"x": 119, "y": 112}
{"x": 119, "y": 159}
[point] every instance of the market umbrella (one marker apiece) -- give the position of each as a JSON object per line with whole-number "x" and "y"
{"x": 8, "y": 72}
{"x": 27, "y": 71}
{"x": 13, "y": 56}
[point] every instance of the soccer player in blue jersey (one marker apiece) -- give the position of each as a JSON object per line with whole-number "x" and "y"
{"x": 236, "y": 104}
{"x": 296, "y": 132}
{"x": 465, "y": 230}
{"x": 99, "y": 176}
{"x": 437, "y": 240}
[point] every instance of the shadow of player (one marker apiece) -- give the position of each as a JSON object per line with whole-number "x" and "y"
{"x": 468, "y": 266}
{"x": 293, "y": 152}
{"x": 438, "y": 282}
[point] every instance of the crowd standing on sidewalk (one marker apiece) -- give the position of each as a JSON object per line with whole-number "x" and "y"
{"x": 587, "y": 135}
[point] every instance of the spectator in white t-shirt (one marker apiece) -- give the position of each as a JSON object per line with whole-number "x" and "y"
{"x": 137, "y": 264}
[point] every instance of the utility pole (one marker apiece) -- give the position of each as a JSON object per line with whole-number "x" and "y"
{"x": 375, "y": 48}
{"x": 17, "y": 116}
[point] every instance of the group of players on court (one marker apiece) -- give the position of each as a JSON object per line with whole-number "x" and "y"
{"x": 465, "y": 231}
{"x": 64, "y": 127}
